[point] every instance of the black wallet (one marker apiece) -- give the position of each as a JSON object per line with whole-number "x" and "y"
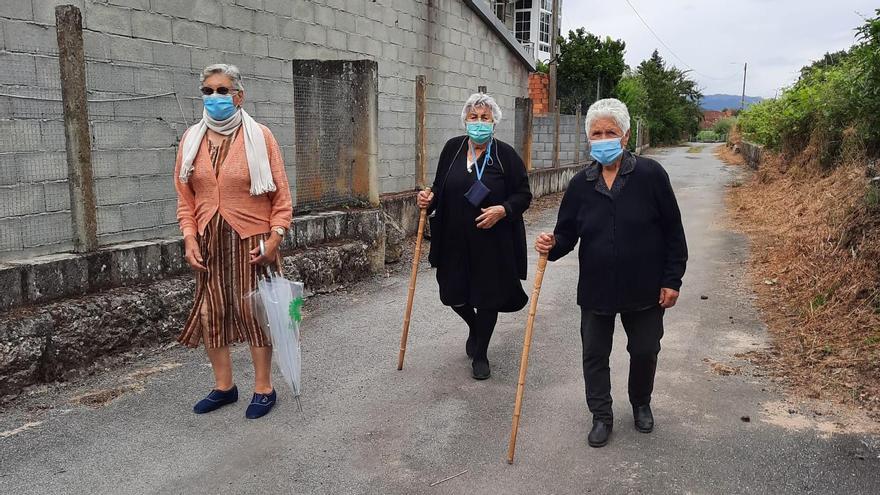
{"x": 477, "y": 194}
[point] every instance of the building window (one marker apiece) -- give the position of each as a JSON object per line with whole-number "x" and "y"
{"x": 547, "y": 5}
{"x": 500, "y": 8}
{"x": 523, "y": 4}
{"x": 523, "y": 26}
{"x": 545, "y": 29}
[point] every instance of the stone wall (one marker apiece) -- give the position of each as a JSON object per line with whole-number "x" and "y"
{"x": 53, "y": 277}
{"x": 56, "y": 340}
{"x": 751, "y": 152}
{"x": 552, "y": 180}
{"x": 137, "y": 48}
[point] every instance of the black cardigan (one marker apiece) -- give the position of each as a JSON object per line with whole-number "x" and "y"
{"x": 632, "y": 241}
{"x": 519, "y": 196}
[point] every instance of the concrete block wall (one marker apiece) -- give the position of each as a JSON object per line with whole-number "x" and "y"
{"x": 147, "y": 47}
{"x": 544, "y": 137}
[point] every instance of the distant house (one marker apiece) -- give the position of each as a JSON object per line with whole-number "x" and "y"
{"x": 711, "y": 117}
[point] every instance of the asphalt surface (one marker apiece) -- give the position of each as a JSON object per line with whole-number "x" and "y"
{"x": 368, "y": 428}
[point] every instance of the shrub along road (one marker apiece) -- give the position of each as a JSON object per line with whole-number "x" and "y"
{"x": 368, "y": 428}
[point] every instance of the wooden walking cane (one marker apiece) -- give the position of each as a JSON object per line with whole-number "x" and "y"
{"x": 524, "y": 360}
{"x": 423, "y": 217}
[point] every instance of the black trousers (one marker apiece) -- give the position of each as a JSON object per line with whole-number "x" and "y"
{"x": 481, "y": 325}
{"x": 644, "y": 329}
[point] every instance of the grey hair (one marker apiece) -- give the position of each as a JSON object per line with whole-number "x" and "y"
{"x": 608, "y": 108}
{"x": 480, "y": 100}
{"x": 227, "y": 70}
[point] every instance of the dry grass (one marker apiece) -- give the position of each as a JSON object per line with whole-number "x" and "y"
{"x": 816, "y": 240}
{"x": 728, "y": 155}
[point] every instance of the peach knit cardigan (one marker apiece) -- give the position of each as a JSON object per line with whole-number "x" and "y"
{"x": 229, "y": 191}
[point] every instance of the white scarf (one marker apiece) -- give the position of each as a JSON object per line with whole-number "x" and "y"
{"x": 254, "y": 147}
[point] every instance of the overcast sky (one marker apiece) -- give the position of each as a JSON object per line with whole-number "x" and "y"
{"x": 715, "y": 37}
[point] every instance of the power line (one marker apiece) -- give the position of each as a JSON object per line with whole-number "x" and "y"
{"x": 671, "y": 50}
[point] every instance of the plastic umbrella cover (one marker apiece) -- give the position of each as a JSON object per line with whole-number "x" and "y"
{"x": 277, "y": 305}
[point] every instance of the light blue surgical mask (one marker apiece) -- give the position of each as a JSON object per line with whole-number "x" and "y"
{"x": 606, "y": 151}
{"x": 219, "y": 107}
{"x": 480, "y": 132}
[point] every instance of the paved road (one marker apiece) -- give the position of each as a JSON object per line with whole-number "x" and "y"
{"x": 368, "y": 428}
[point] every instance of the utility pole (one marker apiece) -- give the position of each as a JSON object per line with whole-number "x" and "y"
{"x": 742, "y": 105}
{"x": 554, "y": 32}
{"x": 598, "y": 86}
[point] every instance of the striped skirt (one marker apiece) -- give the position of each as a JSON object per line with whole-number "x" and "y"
{"x": 221, "y": 314}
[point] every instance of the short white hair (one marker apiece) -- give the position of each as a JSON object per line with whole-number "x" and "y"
{"x": 480, "y": 100}
{"x": 609, "y": 108}
{"x": 227, "y": 70}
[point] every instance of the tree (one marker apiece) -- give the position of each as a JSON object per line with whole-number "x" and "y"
{"x": 668, "y": 99}
{"x": 631, "y": 91}
{"x": 588, "y": 63}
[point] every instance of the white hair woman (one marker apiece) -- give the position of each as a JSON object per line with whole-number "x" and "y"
{"x": 478, "y": 240}
{"x": 632, "y": 258}
{"x": 232, "y": 194}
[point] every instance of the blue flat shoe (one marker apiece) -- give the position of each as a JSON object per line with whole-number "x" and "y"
{"x": 260, "y": 406}
{"x": 215, "y": 400}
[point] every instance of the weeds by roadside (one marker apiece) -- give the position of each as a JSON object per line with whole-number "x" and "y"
{"x": 816, "y": 236}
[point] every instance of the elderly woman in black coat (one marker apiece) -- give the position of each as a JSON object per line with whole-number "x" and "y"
{"x": 478, "y": 240}
{"x": 632, "y": 258}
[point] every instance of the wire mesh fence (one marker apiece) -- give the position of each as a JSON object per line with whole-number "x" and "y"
{"x": 134, "y": 141}
{"x": 136, "y": 119}
{"x": 324, "y": 135}
{"x": 34, "y": 196}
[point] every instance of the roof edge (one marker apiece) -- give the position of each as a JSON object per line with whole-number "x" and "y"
{"x": 485, "y": 13}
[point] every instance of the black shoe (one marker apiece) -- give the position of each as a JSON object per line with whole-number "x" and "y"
{"x": 481, "y": 369}
{"x": 600, "y": 434}
{"x": 644, "y": 418}
{"x": 470, "y": 347}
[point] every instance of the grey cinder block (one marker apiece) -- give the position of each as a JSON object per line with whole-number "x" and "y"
{"x": 107, "y": 19}
{"x": 190, "y": 33}
{"x": 150, "y": 26}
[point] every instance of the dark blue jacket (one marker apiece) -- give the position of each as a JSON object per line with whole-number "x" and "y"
{"x": 632, "y": 240}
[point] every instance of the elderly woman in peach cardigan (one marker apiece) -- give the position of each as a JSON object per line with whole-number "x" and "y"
{"x": 232, "y": 193}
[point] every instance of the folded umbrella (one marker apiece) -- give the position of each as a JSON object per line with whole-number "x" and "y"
{"x": 277, "y": 304}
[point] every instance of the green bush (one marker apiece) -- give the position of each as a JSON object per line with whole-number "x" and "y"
{"x": 827, "y": 100}
{"x": 723, "y": 126}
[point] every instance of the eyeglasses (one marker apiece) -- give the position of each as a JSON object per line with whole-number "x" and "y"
{"x": 220, "y": 91}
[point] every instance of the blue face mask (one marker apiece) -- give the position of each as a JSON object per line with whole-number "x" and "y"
{"x": 219, "y": 107}
{"x": 480, "y": 132}
{"x": 606, "y": 151}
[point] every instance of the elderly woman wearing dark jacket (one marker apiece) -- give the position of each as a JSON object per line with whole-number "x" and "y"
{"x": 478, "y": 242}
{"x": 632, "y": 258}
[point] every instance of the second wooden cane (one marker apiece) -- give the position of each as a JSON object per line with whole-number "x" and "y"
{"x": 524, "y": 360}
{"x": 417, "y": 255}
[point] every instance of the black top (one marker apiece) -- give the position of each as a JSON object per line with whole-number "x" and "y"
{"x": 632, "y": 241}
{"x": 479, "y": 267}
